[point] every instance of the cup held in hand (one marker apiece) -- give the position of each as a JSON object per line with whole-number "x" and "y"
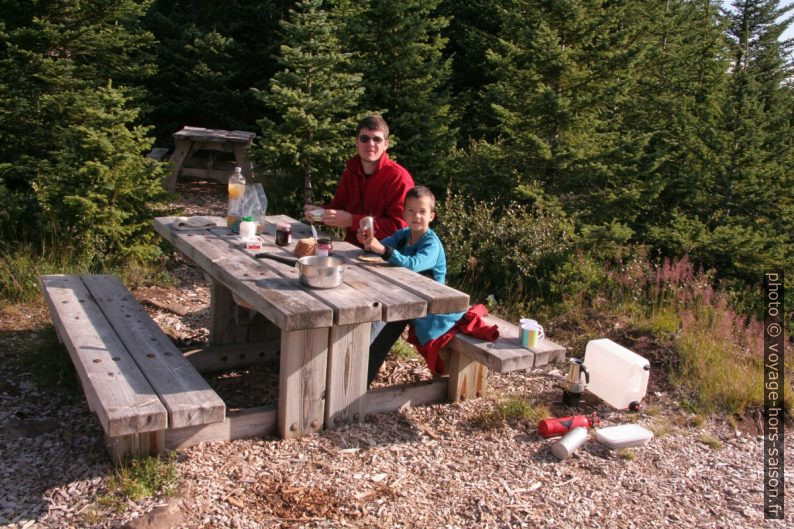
{"x": 367, "y": 225}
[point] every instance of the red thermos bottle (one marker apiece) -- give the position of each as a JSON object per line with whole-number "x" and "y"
{"x": 562, "y": 425}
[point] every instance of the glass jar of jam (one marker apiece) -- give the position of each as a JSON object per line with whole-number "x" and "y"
{"x": 324, "y": 247}
{"x": 283, "y": 234}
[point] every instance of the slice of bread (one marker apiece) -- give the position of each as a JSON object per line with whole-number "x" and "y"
{"x": 305, "y": 247}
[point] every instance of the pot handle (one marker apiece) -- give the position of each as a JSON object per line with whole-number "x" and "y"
{"x": 280, "y": 258}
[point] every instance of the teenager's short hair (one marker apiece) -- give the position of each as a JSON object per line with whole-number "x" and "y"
{"x": 373, "y": 122}
{"x": 420, "y": 192}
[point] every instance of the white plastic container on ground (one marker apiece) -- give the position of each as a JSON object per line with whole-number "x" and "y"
{"x": 617, "y": 376}
{"x": 623, "y": 436}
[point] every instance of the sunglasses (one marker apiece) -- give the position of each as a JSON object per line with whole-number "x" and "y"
{"x": 375, "y": 139}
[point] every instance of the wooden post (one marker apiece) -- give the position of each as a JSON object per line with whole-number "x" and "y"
{"x": 241, "y": 157}
{"x": 348, "y": 356}
{"x": 468, "y": 378}
{"x": 301, "y": 391}
{"x": 223, "y": 315}
{"x": 125, "y": 447}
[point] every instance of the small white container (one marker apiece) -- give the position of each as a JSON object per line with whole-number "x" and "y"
{"x": 617, "y": 376}
{"x": 623, "y": 436}
{"x": 247, "y": 228}
{"x": 569, "y": 443}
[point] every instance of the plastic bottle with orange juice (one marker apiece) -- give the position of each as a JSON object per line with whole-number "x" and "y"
{"x": 236, "y": 193}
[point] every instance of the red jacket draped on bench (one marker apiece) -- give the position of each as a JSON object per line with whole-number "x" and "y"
{"x": 470, "y": 323}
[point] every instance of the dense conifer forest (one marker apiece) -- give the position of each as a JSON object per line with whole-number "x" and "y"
{"x": 550, "y": 129}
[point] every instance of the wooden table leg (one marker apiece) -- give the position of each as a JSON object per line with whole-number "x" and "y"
{"x": 468, "y": 379}
{"x": 225, "y": 325}
{"x": 348, "y": 355}
{"x": 301, "y": 385}
{"x": 181, "y": 151}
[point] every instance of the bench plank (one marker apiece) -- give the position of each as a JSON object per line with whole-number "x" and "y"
{"x": 506, "y": 353}
{"x": 186, "y": 395}
{"x": 114, "y": 386}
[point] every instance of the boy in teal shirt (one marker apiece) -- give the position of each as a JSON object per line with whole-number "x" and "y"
{"x": 417, "y": 248}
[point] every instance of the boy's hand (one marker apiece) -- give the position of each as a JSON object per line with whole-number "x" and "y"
{"x": 369, "y": 241}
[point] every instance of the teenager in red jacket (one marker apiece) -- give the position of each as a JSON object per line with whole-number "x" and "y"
{"x": 372, "y": 185}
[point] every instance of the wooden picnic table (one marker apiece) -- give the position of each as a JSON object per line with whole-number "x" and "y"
{"x": 190, "y": 140}
{"x": 322, "y": 335}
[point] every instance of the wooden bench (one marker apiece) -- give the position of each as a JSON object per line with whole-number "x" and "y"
{"x": 134, "y": 378}
{"x": 470, "y": 358}
{"x": 467, "y": 361}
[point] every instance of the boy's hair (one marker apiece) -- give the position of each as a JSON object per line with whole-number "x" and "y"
{"x": 373, "y": 122}
{"x": 419, "y": 192}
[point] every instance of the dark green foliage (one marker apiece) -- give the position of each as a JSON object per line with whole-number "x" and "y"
{"x": 741, "y": 222}
{"x": 94, "y": 189}
{"x": 473, "y": 28}
{"x": 315, "y": 96}
{"x": 613, "y": 122}
{"x": 677, "y": 105}
{"x": 562, "y": 71}
{"x": 399, "y": 51}
{"x": 71, "y": 154}
{"x": 210, "y": 55}
{"x": 508, "y": 251}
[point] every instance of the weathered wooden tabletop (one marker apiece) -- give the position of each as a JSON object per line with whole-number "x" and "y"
{"x": 325, "y": 333}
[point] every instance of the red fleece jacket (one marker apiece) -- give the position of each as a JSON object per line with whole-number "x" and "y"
{"x": 381, "y": 196}
{"x": 471, "y": 323}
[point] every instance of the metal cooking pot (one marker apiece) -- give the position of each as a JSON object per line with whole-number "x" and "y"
{"x": 313, "y": 271}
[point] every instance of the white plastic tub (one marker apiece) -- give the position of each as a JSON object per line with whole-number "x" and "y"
{"x": 623, "y": 436}
{"x": 617, "y": 376}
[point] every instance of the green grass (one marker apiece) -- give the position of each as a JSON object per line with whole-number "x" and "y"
{"x": 512, "y": 410}
{"x": 21, "y": 266}
{"x": 710, "y": 441}
{"x": 627, "y": 454}
{"x": 714, "y": 377}
{"x": 404, "y": 351}
{"x": 138, "y": 479}
{"x": 662, "y": 427}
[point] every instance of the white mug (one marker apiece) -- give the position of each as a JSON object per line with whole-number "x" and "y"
{"x": 521, "y": 331}
{"x": 531, "y": 333}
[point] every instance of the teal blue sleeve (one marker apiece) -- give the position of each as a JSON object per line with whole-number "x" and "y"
{"x": 425, "y": 257}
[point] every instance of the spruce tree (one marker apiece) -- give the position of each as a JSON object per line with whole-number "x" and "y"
{"x": 473, "y": 28}
{"x": 315, "y": 98}
{"x": 72, "y": 74}
{"x": 95, "y": 189}
{"x": 678, "y": 104}
{"x": 399, "y": 49}
{"x": 209, "y": 56}
{"x": 564, "y": 71}
{"x": 752, "y": 226}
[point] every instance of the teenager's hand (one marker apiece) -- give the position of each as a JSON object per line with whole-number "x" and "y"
{"x": 307, "y": 209}
{"x": 338, "y": 218}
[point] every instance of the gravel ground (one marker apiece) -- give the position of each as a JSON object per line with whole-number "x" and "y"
{"x": 426, "y": 467}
